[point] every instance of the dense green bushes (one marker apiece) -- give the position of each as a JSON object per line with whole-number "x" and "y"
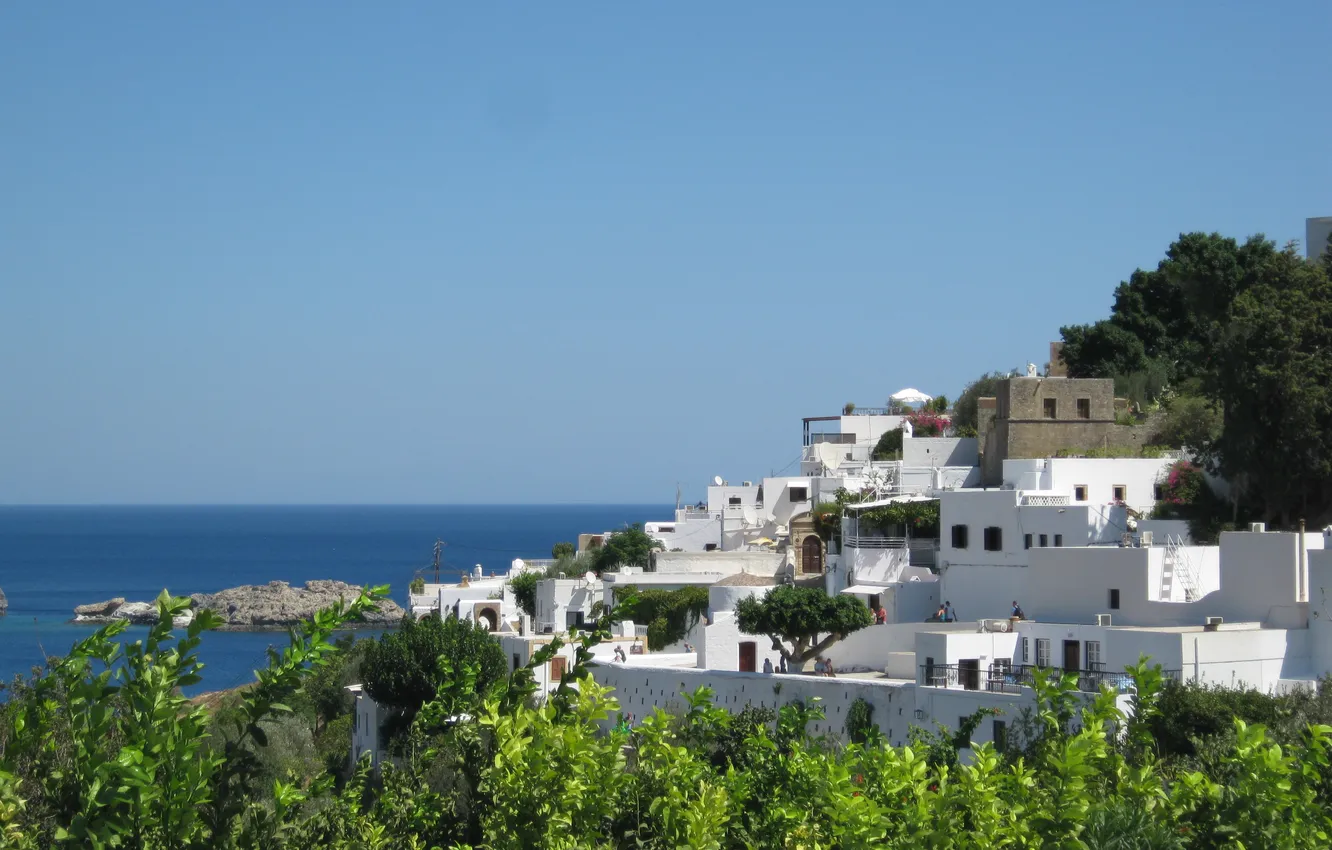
{"x": 98, "y": 757}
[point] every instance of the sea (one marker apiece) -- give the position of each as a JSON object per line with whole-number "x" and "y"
{"x": 54, "y": 558}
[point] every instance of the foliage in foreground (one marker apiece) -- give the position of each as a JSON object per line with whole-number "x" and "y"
{"x": 93, "y": 758}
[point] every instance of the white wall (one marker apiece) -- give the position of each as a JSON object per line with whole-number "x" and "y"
{"x": 1100, "y": 476}
{"x": 868, "y": 429}
{"x": 722, "y": 563}
{"x": 982, "y": 592}
{"x": 940, "y": 451}
{"x": 692, "y": 535}
{"x": 720, "y": 647}
{"x": 555, "y": 598}
{"x": 978, "y": 509}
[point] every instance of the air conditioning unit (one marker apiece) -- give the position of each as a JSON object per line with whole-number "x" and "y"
{"x": 994, "y": 625}
{"x": 1212, "y": 622}
{"x": 1146, "y": 538}
{"x": 749, "y": 483}
{"x": 1258, "y": 527}
{"x": 1103, "y": 620}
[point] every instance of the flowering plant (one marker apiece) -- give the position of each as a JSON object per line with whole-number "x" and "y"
{"x": 925, "y": 423}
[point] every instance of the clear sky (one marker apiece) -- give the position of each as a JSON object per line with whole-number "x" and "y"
{"x": 552, "y": 252}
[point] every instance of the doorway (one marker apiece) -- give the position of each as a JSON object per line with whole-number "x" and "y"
{"x": 557, "y": 665}
{"x": 748, "y": 657}
{"x": 968, "y": 673}
{"x": 811, "y": 555}
{"x": 1072, "y": 655}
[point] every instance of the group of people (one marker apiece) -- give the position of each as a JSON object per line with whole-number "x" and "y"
{"x": 945, "y": 614}
{"x": 768, "y": 668}
{"x": 823, "y": 667}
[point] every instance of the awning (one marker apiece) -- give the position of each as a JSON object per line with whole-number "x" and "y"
{"x": 878, "y": 503}
{"x": 864, "y": 589}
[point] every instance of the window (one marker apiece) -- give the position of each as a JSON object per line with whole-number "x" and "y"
{"x": 1059, "y": 540}
{"x": 1042, "y": 652}
{"x": 799, "y": 494}
{"x": 1093, "y": 655}
{"x": 709, "y": 547}
{"x": 960, "y": 722}
{"x": 1080, "y": 493}
{"x": 573, "y": 619}
{"x": 994, "y": 539}
{"x": 516, "y": 663}
{"x": 1121, "y": 492}
{"x": 1158, "y": 492}
{"x": 1114, "y": 599}
{"x": 959, "y": 537}
{"x": 1084, "y": 408}
{"x": 1026, "y": 541}
{"x": 665, "y": 529}
{"x": 1051, "y": 408}
{"x": 1026, "y": 650}
{"x": 1000, "y": 735}
{"x": 733, "y": 500}
{"x": 1045, "y": 540}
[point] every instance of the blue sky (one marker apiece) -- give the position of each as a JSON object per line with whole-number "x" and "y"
{"x": 301, "y": 252}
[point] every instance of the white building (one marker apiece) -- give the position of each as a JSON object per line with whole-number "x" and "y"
{"x": 1316, "y": 233}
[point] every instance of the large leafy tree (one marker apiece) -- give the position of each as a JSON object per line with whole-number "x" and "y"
{"x": 668, "y": 614}
{"x": 404, "y": 669}
{"x": 524, "y": 588}
{"x": 966, "y": 413}
{"x": 1273, "y": 380}
{"x": 631, "y": 546}
{"x": 802, "y": 621}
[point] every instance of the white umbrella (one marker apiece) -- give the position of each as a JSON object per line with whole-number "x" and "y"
{"x": 911, "y": 396}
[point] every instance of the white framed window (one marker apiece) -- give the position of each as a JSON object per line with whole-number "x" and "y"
{"x": 1042, "y": 652}
{"x": 1093, "y": 655}
{"x": 1026, "y": 647}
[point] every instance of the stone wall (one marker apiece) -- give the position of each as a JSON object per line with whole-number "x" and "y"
{"x": 1024, "y": 398}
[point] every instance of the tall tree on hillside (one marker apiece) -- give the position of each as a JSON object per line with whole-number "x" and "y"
{"x": 966, "y": 413}
{"x": 1272, "y": 376}
{"x": 802, "y": 621}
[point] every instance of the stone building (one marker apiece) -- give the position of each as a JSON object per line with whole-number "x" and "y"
{"x": 1040, "y": 417}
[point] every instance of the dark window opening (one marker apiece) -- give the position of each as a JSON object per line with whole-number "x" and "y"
{"x": 1080, "y": 493}
{"x": 1158, "y": 492}
{"x": 959, "y": 537}
{"x": 1059, "y": 540}
{"x": 733, "y": 500}
{"x": 1114, "y": 598}
{"x": 994, "y": 539}
{"x": 1084, "y": 408}
{"x": 799, "y": 494}
{"x": 1051, "y": 408}
{"x": 1000, "y": 735}
{"x": 1045, "y": 540}
{"x": 516, "y": 663}
{"x": 709, "y": 547}
{"x": 1121, "y": 492}
{"x": 1026, "y": 541}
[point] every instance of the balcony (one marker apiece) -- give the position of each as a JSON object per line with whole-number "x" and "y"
{"x": 1006, "y": 679}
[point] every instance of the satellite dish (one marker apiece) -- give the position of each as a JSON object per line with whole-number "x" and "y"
{"x": 717, "y": 479}
{"x": 589, "y": 576}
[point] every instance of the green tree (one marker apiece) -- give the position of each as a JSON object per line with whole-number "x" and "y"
{"x": 1272, "y": 377}
{"x": 402, "y": 670}
{"x": 966, "y": 410}
{"x": 524, "y": 587}
{"x": 802, "y": 621}
{"x": 668, "y": 614}
{"x": 889, "y": 446}
{"x": 563, "y": 549}
{"x": 631, "y": 546}
{"x": 1190, "y": 422}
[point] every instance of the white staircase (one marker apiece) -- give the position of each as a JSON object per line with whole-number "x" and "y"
{"x": 1178, "y": 567}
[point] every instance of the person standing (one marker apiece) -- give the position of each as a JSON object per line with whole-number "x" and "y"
{"x": 881, "y": 615}
{"x": 767, "y": 666}
{"x": 950, "y": 616}
{"x": 782, "y": 664}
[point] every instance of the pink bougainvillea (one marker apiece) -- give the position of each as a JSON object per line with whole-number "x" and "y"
{"x": 927, "y": 424}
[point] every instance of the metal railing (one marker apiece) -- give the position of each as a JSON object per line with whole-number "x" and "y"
{"x": 1005, "y": 679}
{"x": 831, "y": 437}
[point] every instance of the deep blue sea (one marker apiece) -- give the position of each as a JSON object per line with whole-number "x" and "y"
{"x": 53, "y": 558}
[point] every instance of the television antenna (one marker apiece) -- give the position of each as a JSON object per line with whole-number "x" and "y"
{"x": 439, "y": 549}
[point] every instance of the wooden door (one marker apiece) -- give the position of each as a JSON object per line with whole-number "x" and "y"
{"x": 968, "y": 671}
{"x": 811, "y": 555}
{"x": 748, "y": 657}
{"x": 1072, "y": 655}
{"x": 557, "y": 665}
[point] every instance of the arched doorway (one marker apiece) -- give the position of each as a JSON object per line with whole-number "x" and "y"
{"x": 487, "y": 620}
{"x": 811, "y": 555}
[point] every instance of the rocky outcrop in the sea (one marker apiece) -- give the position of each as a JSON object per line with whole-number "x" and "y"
{"x": 278, "y": 604}
{"x": 4, "y": 604}
{"x": 138, "y": 613}
{"x": 275, "y": 605}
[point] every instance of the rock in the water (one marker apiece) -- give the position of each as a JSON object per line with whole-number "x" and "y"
{"x": 99, "y": 609}
{"x": 138, "y": 613}
{"x": 4, "y": 603}
{"x": 278, "y": 604}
